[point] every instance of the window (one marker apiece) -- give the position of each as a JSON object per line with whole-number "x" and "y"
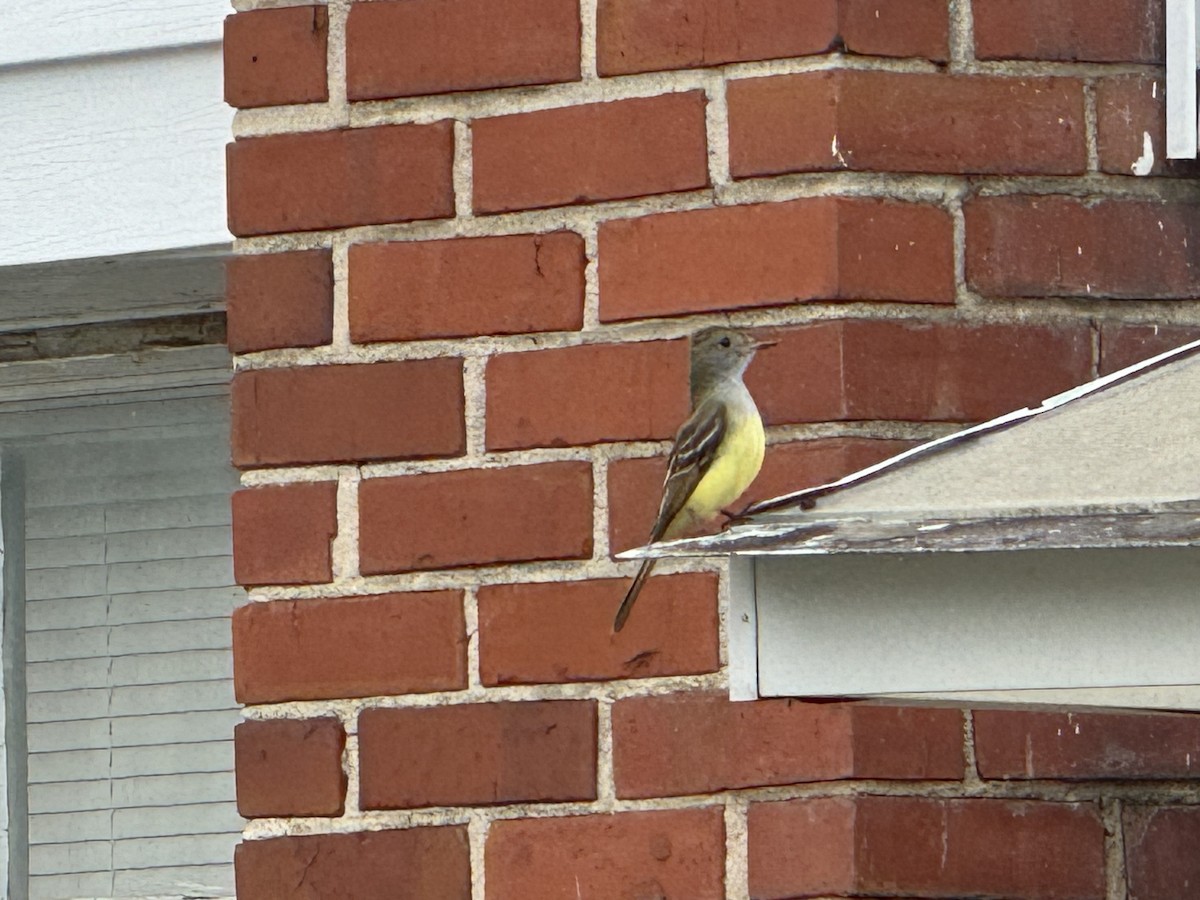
{"x": 118, "y": 467}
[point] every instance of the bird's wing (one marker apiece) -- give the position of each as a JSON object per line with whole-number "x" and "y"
{"x": 695, "y": 448}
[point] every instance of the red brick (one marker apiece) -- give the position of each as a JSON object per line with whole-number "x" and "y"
{"x": 430, "y": 47}
{"x": 635, "y": 485}
{"x": 635, "y": 36}
{"x": 896, "y": 742}
{"x": 772, "y": 254}
{"x": 513, "y": 284}
{"x": 728, "y": 258}
{"x": 414, "y": 864}
{"x": 475, "y": 517}
{"x": 916, "y": 28}
{"x": 1055, "y": 246}
{"x": 926, "y": 847}
{"x": 337, "y": 179}
{"x": 477, "y": 754}
{"x": 276, "y": 56}
{"x": 857, "y": 369}
{"x": 1161, "y": 861}
{"x": 801, "y": 847}
{"x": 596, "y": 151}
{"x": 387, "y": 410}
{"x": 549, "y": 398}
{"x": 1011, "y": 848}
{"x": 1088, "y": 30}
{"x": 282, "y": 533}
{"x": 802, "y": 464}
{"x": 699, "y": 743}
{"x": 279, "y": 300}
{"x": 894, "y": 251}
{"x": 349, "y": 647}
{"x": 1129, "y": 109}
{"x": 1010, "y": 744}
{"x": 290, "y": 767}
{"x": 905, "y": 122}
{"x": 557, "y": 632}
{"x": 1123, "y": 345}
{"x": 654, "y": 854}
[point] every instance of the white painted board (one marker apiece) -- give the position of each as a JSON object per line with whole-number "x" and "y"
{"x": 859, "y": 625}
{"x": 1181, "y": 78}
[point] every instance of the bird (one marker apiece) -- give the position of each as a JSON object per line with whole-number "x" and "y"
{"x": 717, "y": 452}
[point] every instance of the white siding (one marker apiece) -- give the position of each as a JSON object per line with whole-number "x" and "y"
{"x": 113, "y": 155}
{"x": 67, "y": 28}
{"x": 129, "y": 590}
{"x": 112, "y": 129}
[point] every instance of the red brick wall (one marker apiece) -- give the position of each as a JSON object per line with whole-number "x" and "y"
{"x": 474, "y": 236}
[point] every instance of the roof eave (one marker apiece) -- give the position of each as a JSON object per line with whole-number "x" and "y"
{"x": 1163, "y": 525}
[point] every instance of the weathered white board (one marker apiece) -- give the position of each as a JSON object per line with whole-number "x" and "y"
{"x": 105, "y": 289}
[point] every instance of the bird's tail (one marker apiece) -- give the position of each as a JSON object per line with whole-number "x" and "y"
{"x": 632, "y": 594}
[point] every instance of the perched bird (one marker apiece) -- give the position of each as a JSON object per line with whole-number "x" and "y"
{"x": 717, "y": 451}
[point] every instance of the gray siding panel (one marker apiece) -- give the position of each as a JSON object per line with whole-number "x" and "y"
{"x": 157, "y": 821}
{"x": 62, "y": 828}
{"x": 190, "y": 881}
{"x": 173, "y": 759}
{"x": 176, "y": 728}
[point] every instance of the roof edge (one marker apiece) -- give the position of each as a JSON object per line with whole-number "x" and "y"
{"x": 807, "y": 497}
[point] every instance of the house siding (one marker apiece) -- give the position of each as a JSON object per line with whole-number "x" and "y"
{"x": 112, "y": 128}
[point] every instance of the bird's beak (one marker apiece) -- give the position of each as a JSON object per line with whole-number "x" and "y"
{"x": 763, "y": 345}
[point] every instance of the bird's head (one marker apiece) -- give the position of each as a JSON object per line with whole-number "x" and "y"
{"x": 722, "y": 352}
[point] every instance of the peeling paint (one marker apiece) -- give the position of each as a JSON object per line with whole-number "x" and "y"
{"x": 837, "y": 154}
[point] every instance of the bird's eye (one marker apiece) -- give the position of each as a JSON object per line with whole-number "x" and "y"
{"x": 724, "y": 342}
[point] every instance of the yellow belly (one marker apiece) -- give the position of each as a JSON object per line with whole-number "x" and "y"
{"x": 736, "y": 465}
